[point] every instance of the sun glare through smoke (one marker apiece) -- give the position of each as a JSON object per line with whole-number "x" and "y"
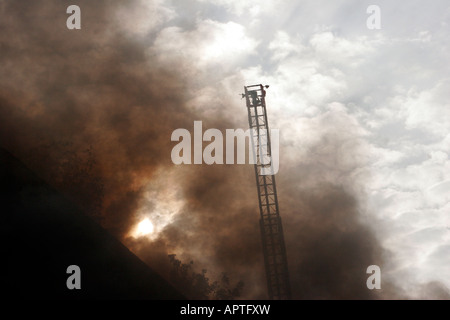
{"x": 144, "y": 228}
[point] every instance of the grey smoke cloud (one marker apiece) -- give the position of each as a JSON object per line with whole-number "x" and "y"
{"x": 93, "y": 110}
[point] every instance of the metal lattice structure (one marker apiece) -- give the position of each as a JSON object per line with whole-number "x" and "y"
{"x": 274, "y": 249}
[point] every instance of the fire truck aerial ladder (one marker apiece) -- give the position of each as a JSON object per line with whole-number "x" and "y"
{"x": 274, "y": 249}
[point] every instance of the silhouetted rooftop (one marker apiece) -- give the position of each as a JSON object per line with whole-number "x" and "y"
{"x": 44, "y": 233}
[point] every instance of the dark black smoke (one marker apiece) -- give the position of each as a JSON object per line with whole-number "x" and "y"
{"x": 93, "y": 113}
{"x": 86, "y": 98}
{"x": 330, "y": 250}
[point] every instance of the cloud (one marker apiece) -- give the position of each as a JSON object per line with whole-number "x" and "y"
{"x": 428, "y": 106}
{"x": 339, "y": 50}
{"x": 210, "y": 43}
{"x": 250, "y": 9}
{"x": 143, "y": 17}
{"x": 282, "y": 46}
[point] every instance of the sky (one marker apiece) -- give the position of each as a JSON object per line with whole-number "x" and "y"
{"x": 363, "y": 116}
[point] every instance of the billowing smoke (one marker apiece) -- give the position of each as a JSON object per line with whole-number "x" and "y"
{"x": 89, "y": 98}
{"x": 92, "y": 111}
